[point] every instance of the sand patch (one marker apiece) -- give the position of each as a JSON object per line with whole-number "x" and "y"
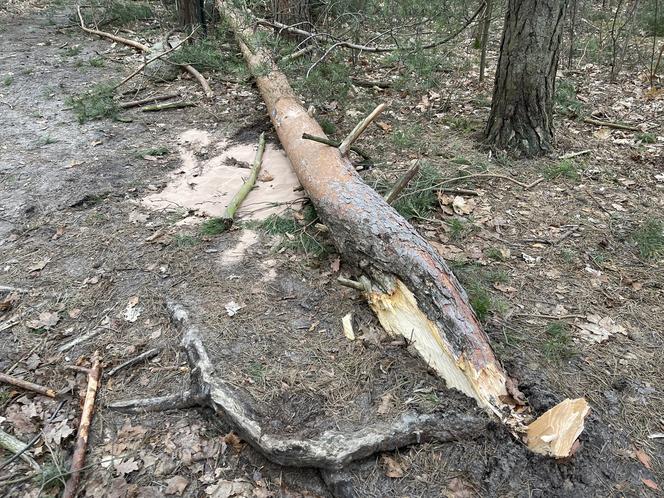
{"x": 236, "y": 253}
{"x": 206, "y": 185}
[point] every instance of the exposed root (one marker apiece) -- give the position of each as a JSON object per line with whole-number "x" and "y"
{"x": 331, "y": 449}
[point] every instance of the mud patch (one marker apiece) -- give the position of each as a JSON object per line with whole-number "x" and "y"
{"x": 205, "y": 185}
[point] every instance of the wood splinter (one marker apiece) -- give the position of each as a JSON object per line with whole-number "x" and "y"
{"x": 78, "y": 459}
{"x": 359, "y": 129}
{"x": 402, "y": 183}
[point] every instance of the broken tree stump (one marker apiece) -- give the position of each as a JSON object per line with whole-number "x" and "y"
{"x": 410, "y": 287}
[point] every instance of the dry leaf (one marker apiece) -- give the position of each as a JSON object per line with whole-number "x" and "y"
{"x": 650, "y": 483}
{"x": 598, "y": 329}
{"x": 386, "y": 127}
{"x": 347, "y": 322}
{"x": 458, "y": 488}
{"x": 504, "y": 288}
{"x": 232, "y": 308}
{"x": 644, "y": 458}
{"x": 33, "y": 361}
{"x": 39, "y": 265}
{"x": 265, "y": 177}
{"x": 385, "y": 404}
{"x": 392, "y": 468}
{"x": 126, "y": 467}
{"x": 176, "y": 485}
{"x": 47, "y": 320}
{"x": 57, "y": 432}
{"x": 335, "y": 264}
{"x": 230, "y": 489}
{"x": 232, "y": 439}
{"x": 9, "y": 301}
{"x": 462, "y": 205}
{"x": 75, "y": 313}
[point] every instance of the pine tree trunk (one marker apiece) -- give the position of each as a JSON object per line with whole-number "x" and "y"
{"x": 290, "y": 11}
{"x": 522, "y": 107}
{"x": 189, "y": 13}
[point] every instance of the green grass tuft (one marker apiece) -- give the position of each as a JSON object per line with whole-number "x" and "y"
{"x": 565, "y": 99}
{"x": 154, "y": 151}
{"x": 646, "y": 138}
{"x": 182, "y": 240}
{"x": 8, "y": 80}
{"x": 418, "y": 199}
{"x": 649, "y": 239}
{"x": 558, "y": 345}
{"x": 565, "y": 168}
{"x": 96, "y": 103}
{"x": 205, "y": 55}
{"x": 213, "y": 226}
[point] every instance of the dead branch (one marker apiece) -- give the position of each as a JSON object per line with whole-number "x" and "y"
{"x": 152, "y": 59}
{"x": 18, "y": 448}
{"x": 168, "y": 106}
{"x": 150, "y": 353}
{"x": 147, "y": 100}
{"x": 29, "y": 386}
{"x": 368, "y": 48}
{"x": 570, "y": 155}
{"x": 402, "y": 183}
{"x": 179, "y": 401}
{"x": 82, "y": 338}
{"x": 330, "y": 450}
{"x": 115, "y": 38}
{"x": 359, "y": 129}
{"x": 336, "y": 144}
{"x": 298, "y": 53}
{"x": 609, "y": 124}
{"x": 241, "y": 195}
{"x": 200, "y": 78}
{"x": 78, "y": 459}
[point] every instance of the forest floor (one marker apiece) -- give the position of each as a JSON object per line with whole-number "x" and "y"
{"x": 567, "y": 277}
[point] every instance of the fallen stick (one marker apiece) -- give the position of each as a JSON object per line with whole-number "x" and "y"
{"x": 359, "y": 128}
{"x": 413, "y": 293}
{"x": 144, "y": 48}
{"x": 29, "y": 386}
{"x": 229, "y": 214}
{"x": 78, "y": 459}
{"x": 147, "y": 100}
{"x": 570, "y": 155}
{"x": 165, "y": 107}
{"x": 179, "y": 401}
{"x": 609, "y": 124}
{"x": 150, "y": 353}
{"x": 298, "y": 53}
{"x": 32, "y": 442}
{"x": 402, "y": 183}
{"x": 526, "y": 186}
{"x": 152, "y": 59}
{"x": 332, "y": 143}
{"x": 115, "y": 38}
{"x": 17, "y": 447}
{"x": 82, "y": 338}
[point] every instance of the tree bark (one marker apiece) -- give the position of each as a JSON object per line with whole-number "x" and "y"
{"x": 406, "y": 282}
{"x": 291, "y": 11}
{"x": 190, "y": 13}
{"x": 522, "y": 107}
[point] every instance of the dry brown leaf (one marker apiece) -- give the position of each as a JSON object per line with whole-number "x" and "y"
{"x": 176, "y": 485}
{"x": 47, "y": 320}
{"x": 9, "y": 301}
{"x": 386, "y": 127}
{"x": 385, "y": 404}
{"x": 650, "y": 483}
{"x": 75, "y": 313}
{"x": 458, "y": 488}
{"x": 335, "y": 264}
{"x": 232, "y": 439}
{"x": 462, "y": 206}
{"x": 644, "y": 458}
{"x": 57, "y": 432}
{"x": 598, "y": 329}
{"x": 126, "y": 467}
{"x": 504, "y": 288}
{"x": 393, "y": 469}
{"x": 38, "y": 265}
{"x": 32, "y": 361}
{"x": 230, "y": 489}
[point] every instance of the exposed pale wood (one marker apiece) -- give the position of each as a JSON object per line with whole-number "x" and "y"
{"x": 570, "y": 155}
{"x": 201, "y": 80}
{"x": 179, "y": 401}
{"x": 413, "y": 292}
{"x": 78, "y": 459}
{"x": 29, "y": 386}
{"x": 359, "y": 128}
{"x": 247, "y": 186}
{"x": 17, "y": 447}
{"x": 556, "y": 431}
{"x": 82, "y": 338}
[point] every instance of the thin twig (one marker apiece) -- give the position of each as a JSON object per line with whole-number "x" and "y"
{"x": 147, "y": 100}
{"x": 164, "y": 107}
{"x": 103, "y": 34}
{"x": 150, "y": 353}
{"x": 570, "y": 155}
{"x": 333, "y": 143}
{"x": 609, "y": 124}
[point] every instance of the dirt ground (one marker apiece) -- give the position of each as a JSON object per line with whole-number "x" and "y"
{"x": 572, "y": 309}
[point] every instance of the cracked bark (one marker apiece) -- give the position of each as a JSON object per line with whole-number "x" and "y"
{"x": 522, "y": 106}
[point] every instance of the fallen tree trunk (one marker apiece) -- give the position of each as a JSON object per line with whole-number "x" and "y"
{"x": 406, "y": 282}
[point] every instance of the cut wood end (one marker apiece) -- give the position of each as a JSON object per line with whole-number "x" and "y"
{"x": 556, "y": 431}
{"x": 347, "y": 322}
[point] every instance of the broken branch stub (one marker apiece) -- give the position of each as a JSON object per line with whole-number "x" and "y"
{"x": 413, "y": 292}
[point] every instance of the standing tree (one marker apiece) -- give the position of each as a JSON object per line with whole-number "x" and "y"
{"x": 291, "y": 11}
{"x": 522, "y": 107}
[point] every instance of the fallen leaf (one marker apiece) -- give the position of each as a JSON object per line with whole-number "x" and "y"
{"x": 504, "y": 288}
{"x": 59, "y": 232}
{"x": 602, "y": 133}
{"x": 451, "y": 253}
{"x": 176, "y": 485}
{"x": 9, "y": 301}
{"x": 55, "y": 433}
{"x": 461, "y": 205}
{"x": 598, "y": 329}
{"x": 126, "y": 467}
{"x": 385, "y": 404}
{"x": 644, "y": 458}
{"x": 335, "y": 264}
{"x": 386, "y": 127}
{"x": 392, "y": 468}
{"x": 229, "y": 489}
{"x": 232, "y": 439}
{"x": 39, "y": 265}
{"x": 46, "y": 320}
{"x": 458, "y": 488}
{"x": 33, "y": 361}
{"x": 530, "y": 259}
{"x": 650, "y": 483}
{"x": 75, "y": 313}
{"x": 265, "y": 177}
{"x": 232, "y": 308}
